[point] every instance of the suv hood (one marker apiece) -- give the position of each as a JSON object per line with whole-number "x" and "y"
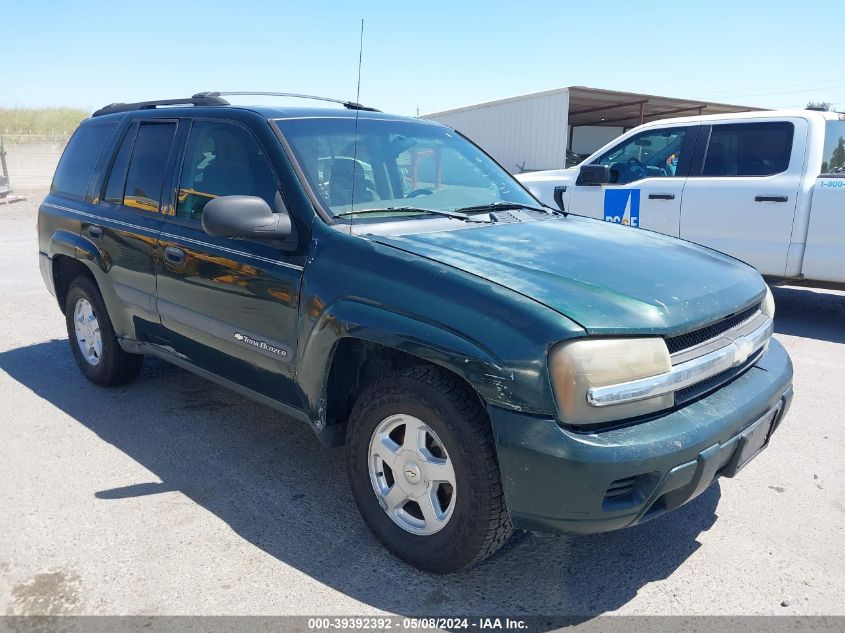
{"x": 606, "y": 277}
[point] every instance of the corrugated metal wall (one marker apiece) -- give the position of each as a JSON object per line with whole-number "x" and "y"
{"x": 529, "y": 132}
{"x": 586, "y": 139}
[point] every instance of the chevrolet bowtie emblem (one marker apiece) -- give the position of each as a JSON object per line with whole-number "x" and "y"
{"x": 743, "y": 351}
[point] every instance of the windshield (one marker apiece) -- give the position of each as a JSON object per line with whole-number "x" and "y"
{"x": 833, "y": 158}
{"x": 396, "y": 166}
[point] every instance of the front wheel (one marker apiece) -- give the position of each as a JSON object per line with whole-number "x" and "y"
{"x": 423, "y": 470}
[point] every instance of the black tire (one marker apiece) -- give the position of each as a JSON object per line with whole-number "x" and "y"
{"x": 479, "y": 524}
{"x": 115, "y": 366}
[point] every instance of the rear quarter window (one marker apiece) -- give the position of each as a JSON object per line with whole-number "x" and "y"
{"x": 833, "y": 158}
{"x": 76, "y": 166}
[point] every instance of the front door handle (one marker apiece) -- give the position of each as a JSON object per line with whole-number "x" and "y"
{"x": 174, "y": 255}
{"x": 661, "y": 196}
{"x": 96, "y": 232}
{"x": 770, "y": 198}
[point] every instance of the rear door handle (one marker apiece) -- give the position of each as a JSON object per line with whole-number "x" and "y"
{"x": 174, "y": 255}
{"x": 661, "y": 196}
{"x": 770, "y": 198}
{"x": 96, "y": 232}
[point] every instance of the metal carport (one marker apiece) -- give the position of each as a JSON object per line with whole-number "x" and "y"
{"x": 534, "y": 131}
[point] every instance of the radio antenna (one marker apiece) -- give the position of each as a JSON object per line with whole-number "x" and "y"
{"x": 355, "y": 141}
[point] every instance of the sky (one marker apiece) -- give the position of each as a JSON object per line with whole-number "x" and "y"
{"x": 421, "y": 57}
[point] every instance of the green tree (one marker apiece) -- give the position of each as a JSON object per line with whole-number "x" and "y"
{"x": 837, "y": 158}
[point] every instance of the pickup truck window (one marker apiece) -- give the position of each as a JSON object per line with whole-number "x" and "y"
{"x": 147, "y": 166}
{"x": 396, "y": 164}
{"x": 222, "y": 159}
{"x": 76, "y": 166}
{"x": 749, "y": 149}
{"x": 653, "y": 153}
{"x": 833, "y": 161}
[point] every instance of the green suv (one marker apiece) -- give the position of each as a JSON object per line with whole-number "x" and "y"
{"x": 490, "y": 364}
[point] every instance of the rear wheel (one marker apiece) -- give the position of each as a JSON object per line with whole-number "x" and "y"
{"x": 423, "y": 470}
{"x": 92, "y": 339}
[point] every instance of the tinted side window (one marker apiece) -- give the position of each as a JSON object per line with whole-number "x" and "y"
{"x": 73, "y": 174}
{"x": 147, "y": 166}
{"x": 749, "y": 149}
{"x": 649, "y": 154}
{"x": 222, "y": 159}
{"x": 117, "y": 176}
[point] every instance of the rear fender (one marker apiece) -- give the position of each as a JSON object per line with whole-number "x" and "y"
{"x": 67, "y": 244}
{"x": 77, "y": 247}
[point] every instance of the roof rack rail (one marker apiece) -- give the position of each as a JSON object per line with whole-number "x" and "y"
{"x": 196, "y": 100}
{"x": 349, "y": 105}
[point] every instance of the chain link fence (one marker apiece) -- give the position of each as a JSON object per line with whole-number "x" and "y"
{"x": 31, "y": 159}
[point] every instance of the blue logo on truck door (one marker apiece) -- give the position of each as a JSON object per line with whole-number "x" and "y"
{"x": 622, "y": 206}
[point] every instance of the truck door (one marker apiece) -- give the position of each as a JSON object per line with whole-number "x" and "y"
{"x": 647, "y": 171}
{"x": 741, "y": 193}
{"x": 229, "y": 306}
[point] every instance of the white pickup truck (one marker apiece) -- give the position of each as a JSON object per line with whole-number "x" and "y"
{"x": 765, "y": 187}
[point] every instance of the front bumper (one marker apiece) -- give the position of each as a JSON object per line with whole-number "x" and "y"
{"x": 558, "y": 480}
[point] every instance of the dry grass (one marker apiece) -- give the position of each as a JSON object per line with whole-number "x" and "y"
{"x": 40, "y": 121}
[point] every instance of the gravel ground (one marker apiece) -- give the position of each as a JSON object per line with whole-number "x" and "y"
{"x": 173, "y": 496}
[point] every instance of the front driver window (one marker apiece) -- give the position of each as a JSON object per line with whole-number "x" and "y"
{"x": 222, "y": 159}
{"x": 649, "y": 154}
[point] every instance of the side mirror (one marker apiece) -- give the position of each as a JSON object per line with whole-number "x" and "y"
{"x": 594, "y": 175}
{"x": 244, "y": 216}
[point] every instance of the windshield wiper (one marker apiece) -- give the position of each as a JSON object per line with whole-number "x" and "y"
{"x": 506, "y": 206}
{"x": 447, "y": 214}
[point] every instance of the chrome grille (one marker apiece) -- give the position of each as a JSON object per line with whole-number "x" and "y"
{"x": 697, "y": 337}
{"x": 707, "y": 385}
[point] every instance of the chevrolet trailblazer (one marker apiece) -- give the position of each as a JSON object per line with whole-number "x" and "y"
{"x": 488, "y": 362}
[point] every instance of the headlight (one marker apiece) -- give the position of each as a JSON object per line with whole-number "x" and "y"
{"x": 768, "y": 306}
{"x": 579, "y": 365}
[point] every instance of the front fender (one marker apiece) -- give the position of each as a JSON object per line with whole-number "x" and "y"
{"x": 428, "y": 341}
{"x": 543, "y": 183}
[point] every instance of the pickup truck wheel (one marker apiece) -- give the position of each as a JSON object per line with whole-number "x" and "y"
{"x": 92, "y": 339}
{"x": 423, "y": 470}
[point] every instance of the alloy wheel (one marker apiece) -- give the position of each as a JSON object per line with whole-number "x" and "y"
{"x": 87, "y": 330}
{"x": 412, "y": 474}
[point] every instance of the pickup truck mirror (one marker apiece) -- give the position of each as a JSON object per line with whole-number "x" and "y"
{"x": 245, "y": 216}
{"x": 594, "y": 175}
